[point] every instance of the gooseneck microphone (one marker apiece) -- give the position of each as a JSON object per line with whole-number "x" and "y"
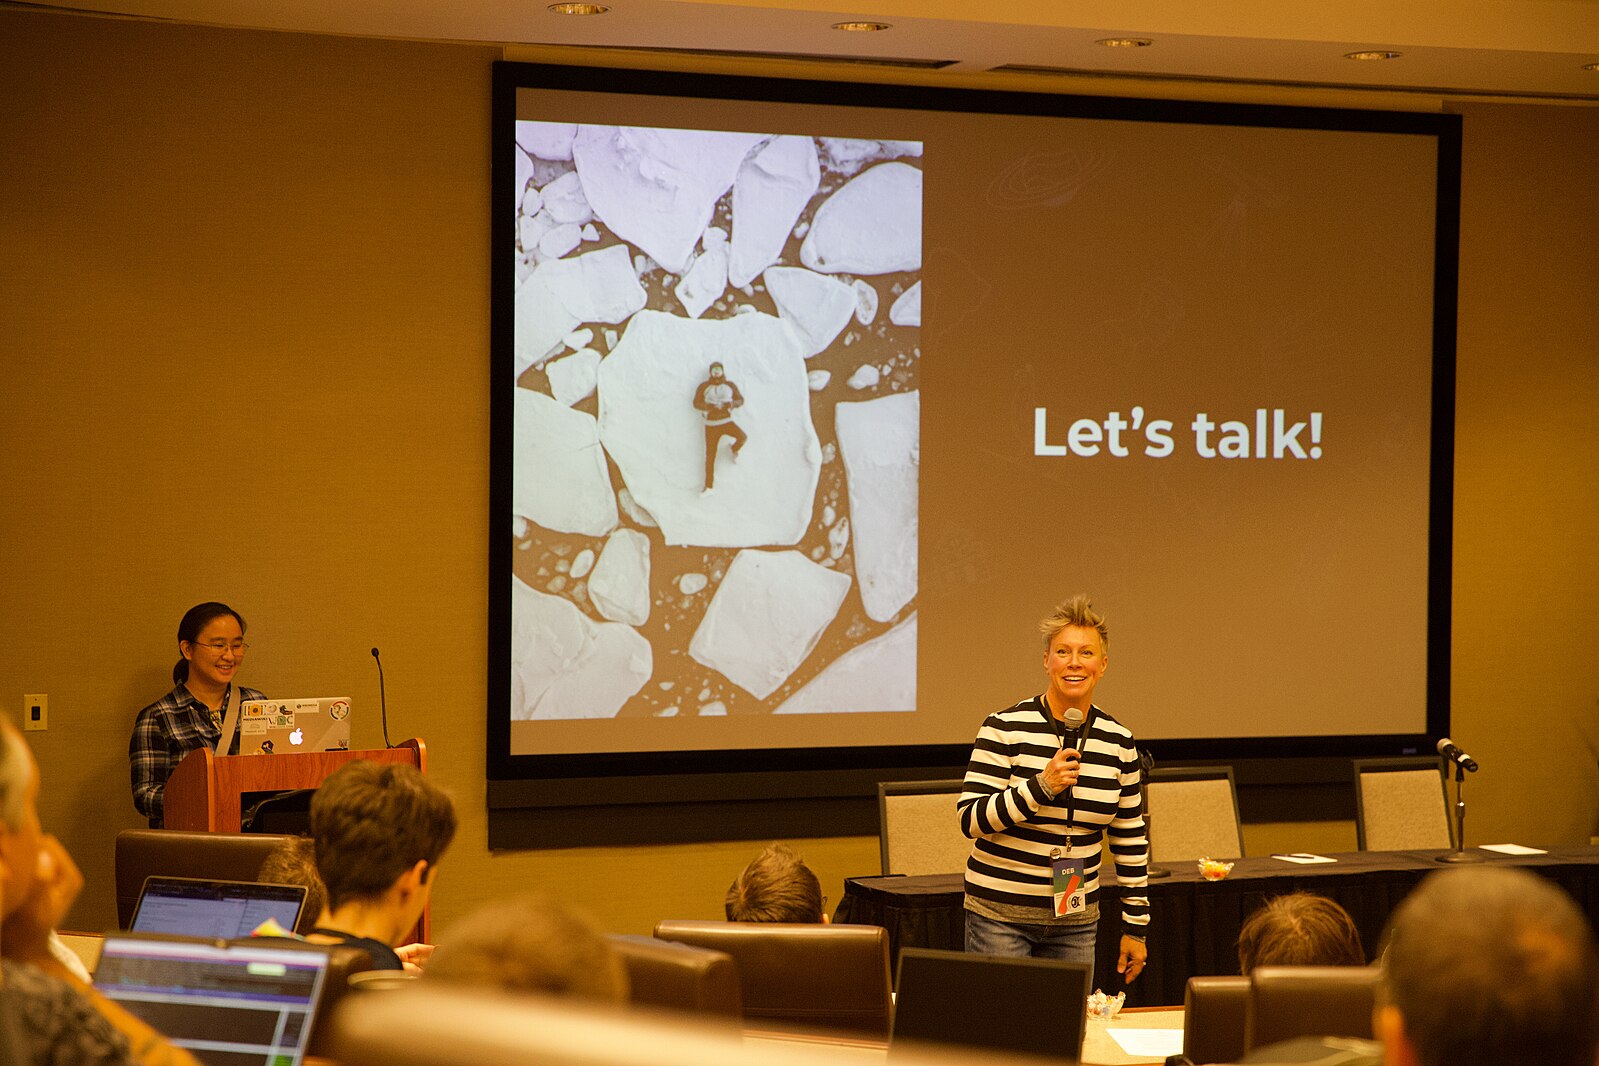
{"x": 1451, "y": 751}
{"x": 383, "y": 700}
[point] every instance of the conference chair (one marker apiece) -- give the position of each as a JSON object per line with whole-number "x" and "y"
{"x": 429, "y": 1025}
{"x": 1193, "y": 814}
{"x": 810, "y": 976}
{"x": 1401, "y": 805}
{"x": 141, "y": 853}
{"x": 918, "y": 831}
{"x": 1292, "y": 1001}
{"x": 1215, "y": 1009}
{"x": 680, "y": 977}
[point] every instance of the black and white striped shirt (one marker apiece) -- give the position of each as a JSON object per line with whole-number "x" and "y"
{"x": 1015, "y": 825}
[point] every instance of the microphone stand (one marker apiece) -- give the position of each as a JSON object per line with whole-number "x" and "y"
{"x": 1459, "y": 854}
{"x": 1146, "y": 763}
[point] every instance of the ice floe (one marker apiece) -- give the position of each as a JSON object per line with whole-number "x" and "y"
{"x": 657, "y": 188}
{"x": 572, "y": 377}
{"x": 657, "y": 438}
{"x": 620, "y": 584}
{"x": 766, "y": 618}
{"x": 772, "y": 188}
{"x": 563, "y": 293}
{"x": 564, "y": 665}
{"x": 561, "y": 481}
{"x": 564, "y": 200}
{"x": 907, "y": 310}
{"x": 872, "y": 225}
{"x": 705, "y": 281}
{"x": 817, "y": 306}
{"x": 547, "y": 140}
{"x": 879, "y": 675}
{"x": 879, "y": 440}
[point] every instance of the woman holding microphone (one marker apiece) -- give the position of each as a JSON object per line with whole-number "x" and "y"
{"x": 1048, "y": 778}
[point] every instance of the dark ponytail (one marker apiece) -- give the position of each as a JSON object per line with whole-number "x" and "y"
{"x": 196, "y": 619}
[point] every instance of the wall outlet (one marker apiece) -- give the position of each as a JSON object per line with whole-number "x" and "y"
{"x": 35, "y": 712}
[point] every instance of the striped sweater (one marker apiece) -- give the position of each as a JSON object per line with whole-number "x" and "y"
{"x": 1014, "y": 825}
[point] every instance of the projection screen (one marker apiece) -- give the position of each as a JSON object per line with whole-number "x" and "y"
{"x": 810, "y": 400}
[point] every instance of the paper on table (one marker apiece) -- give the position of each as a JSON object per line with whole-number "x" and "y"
{"x": 1151, "y": 1043}
{"x": 1304, "y": 858}
{"x": 1512, "y": 849}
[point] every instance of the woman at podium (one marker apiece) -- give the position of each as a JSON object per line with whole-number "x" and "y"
{"x": 211, "y": 648}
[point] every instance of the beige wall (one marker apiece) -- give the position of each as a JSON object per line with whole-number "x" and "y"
{"x": 244, "y": 355}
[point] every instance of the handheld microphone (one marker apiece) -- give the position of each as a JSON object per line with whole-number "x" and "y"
{"x": 1072, "y": 719}
{"x": 383, "y": 701}
{"x": 1451, "y": 751}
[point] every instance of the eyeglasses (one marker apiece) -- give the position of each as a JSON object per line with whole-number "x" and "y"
{"x": 237, "y": 647}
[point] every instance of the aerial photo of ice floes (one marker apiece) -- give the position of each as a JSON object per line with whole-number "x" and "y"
{"x": 717, "y": 423}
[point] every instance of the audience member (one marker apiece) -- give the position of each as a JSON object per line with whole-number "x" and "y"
{"x": 776, "y": 887}
{"x": 532, "y": 944}
{"x": 1299, "y": 929}
{"x": 1489, "y": 965}
{"x": 51, "y": 1016}
{"x": 293, "y": 862}
{"x": 379, "y": 830}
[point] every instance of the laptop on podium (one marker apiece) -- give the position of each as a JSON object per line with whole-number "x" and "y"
{"x": 275, "y": 727}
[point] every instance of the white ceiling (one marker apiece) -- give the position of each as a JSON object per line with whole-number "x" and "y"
{"x": 1529, "y": 48}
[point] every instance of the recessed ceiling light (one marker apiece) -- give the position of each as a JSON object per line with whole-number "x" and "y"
{"x": 579, "y": 9}
{"x": 1125, "y": 42}
{"x": 861, "y": 27}
{"x": 1373, "y": 55}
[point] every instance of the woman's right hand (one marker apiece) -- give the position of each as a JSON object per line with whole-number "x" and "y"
{"x": 1061, "y": 772}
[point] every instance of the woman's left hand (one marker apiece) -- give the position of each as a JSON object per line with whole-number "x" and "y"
{"x": 1131, "y": 962}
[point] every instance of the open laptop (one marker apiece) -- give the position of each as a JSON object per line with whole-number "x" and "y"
{"x": 220, "y": 910}
{"x": 271, "y": 727}
{"x": 1029, "y": 1006}
{"x": 228, "y": 1004}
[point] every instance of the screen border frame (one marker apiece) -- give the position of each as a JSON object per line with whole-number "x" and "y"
{"x": 591, "y": 779}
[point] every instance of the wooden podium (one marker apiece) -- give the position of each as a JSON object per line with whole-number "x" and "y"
{"x": 204, "y": 792}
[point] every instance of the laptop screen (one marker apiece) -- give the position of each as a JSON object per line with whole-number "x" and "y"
{"x": 229, "y": 1005}
{"x": 216, "y": 910}
{"x": 1030, "y": 1006}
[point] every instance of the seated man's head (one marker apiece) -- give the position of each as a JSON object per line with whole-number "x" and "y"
{"x": 776, "y": 887}
{"x": 20, "y": 835}
{"x": 379, "y": 829}
{"x": 293, "y": 862}
{"x": 531, "y": 944}
{"x": 1489, "y": 965}
{"x": 1299, "y": 929}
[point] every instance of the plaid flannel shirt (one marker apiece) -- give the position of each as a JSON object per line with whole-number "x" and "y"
{"x": 164, "y": 733}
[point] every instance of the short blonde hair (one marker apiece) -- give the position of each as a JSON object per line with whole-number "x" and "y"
{"x": 1077, "y": 611}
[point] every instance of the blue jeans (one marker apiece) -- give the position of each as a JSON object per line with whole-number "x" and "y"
{"x": 1073, "y": 943}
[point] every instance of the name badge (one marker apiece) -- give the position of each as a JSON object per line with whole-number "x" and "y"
{"x": 1070, "y": 884}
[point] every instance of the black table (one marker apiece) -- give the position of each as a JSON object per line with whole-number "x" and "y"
{"x": 1194, "y": 923}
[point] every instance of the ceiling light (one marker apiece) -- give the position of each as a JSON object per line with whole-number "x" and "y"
{"x": 1591, "y": 66}
{"x": 579, "y": 9}
{"x": 1125, "y": 42}
{"x": 861, "y": 27}
{"x": 1372, "y": 55}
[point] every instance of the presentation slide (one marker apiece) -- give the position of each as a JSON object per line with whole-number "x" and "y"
{"x": 812, "y": 409}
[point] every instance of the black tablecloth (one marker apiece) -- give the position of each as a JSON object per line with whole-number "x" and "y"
{"x": 1194, "y": 923}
